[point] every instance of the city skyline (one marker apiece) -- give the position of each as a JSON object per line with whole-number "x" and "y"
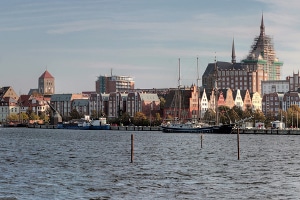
{"x": 76, "y": 41}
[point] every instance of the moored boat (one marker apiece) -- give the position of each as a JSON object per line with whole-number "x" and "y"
{"x": 99, "y": 124}
{"x": 194, "y": 128}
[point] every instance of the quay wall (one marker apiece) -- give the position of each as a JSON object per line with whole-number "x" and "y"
{"x": 115, "y": 128}
{"x": 136, "y": 128}
{"x": 287, "y": 131}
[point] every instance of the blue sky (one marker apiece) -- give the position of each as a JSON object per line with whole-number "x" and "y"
{"x": 78, "y": 40}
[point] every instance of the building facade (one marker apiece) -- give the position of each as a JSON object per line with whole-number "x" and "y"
{"x": 109, "y": 84}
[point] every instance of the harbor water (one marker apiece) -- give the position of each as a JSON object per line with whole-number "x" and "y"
{"x": 74, "y": 164}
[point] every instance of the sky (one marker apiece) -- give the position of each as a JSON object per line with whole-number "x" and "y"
{"x": 79, "y": 40}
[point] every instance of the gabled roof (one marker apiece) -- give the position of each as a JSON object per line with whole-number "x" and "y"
{"x": 149, "y": 97}
{"x": 46, "y": 74}
{"x": 8, "y": 100}
{"x": 24, "y": 100}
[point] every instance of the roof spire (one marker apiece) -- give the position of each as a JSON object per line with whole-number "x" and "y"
{"x": 262, "y": 26}
{"x": 233, "y": 60}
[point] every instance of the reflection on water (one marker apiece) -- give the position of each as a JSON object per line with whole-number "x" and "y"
{"x": 68, "y": 164}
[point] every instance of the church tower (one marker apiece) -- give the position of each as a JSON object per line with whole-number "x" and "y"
{"x": 233, "y": 57}
{"x": 263, "y": 56}
{"x": 46, "y": 84}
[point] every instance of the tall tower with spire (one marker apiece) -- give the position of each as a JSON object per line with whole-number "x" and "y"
{"x": 233, "y": 57}
{"x": 263, "y": 56}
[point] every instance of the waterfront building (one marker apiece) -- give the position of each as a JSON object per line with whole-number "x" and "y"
{"x": 46, "y": 84}
{"x": 63, "y": 102}
{"x": 96, "y": 104}
{"x": 247, "y": 100}
{"x": 204, "y": 103}
{"x": 8, "y": 106}
{"x": 229, "y": 101}
{"x": 81, "y": 105}
{"x": 8, "y": 103}
{"x": 238, "y": 100}
{"x": 8, "y": 91}
{"x": 149, "y": 104}
{"x": 271, "y": 103}
{"x": 182, "y": 104}
{"x": 256, "y": 101}
{"x": 116, "y": 104}
{"x": 113, "y": 83}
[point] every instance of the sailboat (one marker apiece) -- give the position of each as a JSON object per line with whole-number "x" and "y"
{"x": 177, "y": 126}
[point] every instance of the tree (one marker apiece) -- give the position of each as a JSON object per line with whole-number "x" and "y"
{"x": 94, "y": 114}
{"x": 74, "y": 114}
{"x": 23, "y": 117}
{"x": 125, "y": 119}
{"x": 223, "y": 114}
{"x": 238, "y": 111}
{"x": 270, "y": 117}
{"x": 162, "y": 103}
{"x": 140, "y": 119}
{"x": 293, "y": 116}
{"x": 12, "y": 118}
{"x": 209, "y": 115}
{"x": 33, "y": 116}
{"x": 259, "y": 116}
{"x": 43, "y": 116}
{"x": 157, "y": 120}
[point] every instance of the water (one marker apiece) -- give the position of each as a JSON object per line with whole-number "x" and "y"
{"x": 72, "y": 164}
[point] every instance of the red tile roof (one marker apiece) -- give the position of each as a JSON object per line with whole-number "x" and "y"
{"x": 46, "y": 74}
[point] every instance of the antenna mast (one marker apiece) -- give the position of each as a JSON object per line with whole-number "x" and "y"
{"x": 198, "y": 79}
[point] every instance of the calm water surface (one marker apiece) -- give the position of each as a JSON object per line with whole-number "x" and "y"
{"x": 66, "y": 164}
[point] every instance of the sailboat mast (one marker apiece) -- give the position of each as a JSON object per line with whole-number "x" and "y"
{"x": 179, "y": 92}
{"x": 198, "y": 79}
{"x": 216, "y": 92}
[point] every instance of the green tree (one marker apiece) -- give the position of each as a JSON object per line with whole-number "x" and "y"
{"x": 23, "y": 117}
{"x": 237, "y": 113}
{"x": 270, "y": 117}
{"x": 125, "y": 119}
{"x": 33, "y": 116}
{"x": 158, "y": 119}
{"x": 140, "y": 119}
{"x": 224, "y": 115}
{"x": 43, "y": 116}
{"x": 162, "y": 103}
{"x": 258, "y": 116}
{"x": 74, "y": 114}
{"x": 209, "y": 115}
{"x": 293, "y": 113}
{"x": 94, "y": 114}
{"x": 12, "y": 118}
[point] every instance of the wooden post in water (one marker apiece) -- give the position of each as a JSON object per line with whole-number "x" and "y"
{"x": 132, "y": 148}
{"x": 201, "y": 140}
{"x": 238, "y": 143}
